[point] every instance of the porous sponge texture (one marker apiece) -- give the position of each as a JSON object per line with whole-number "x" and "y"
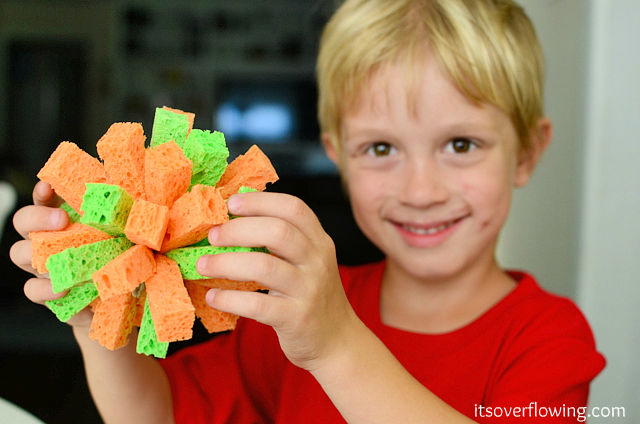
{"x": 167, "y": 173}
{"x": 68, "y": 169}
{"x": 121, "y": 149}
{"x": 113, "y": 321}
{"x": 253, "y": 169}
{"x": 171, "y": 309}
{"x": 169, "y": 125}
{"x": 223, "y": 283}
{"x": 77, "y": 264}
{"x": 189, "y": 115}
{"x": 187, "y": 257}
{"x": 192, "y": 215}
{"x": 148, "y": 343}
{"x": 147, "y": 223}
{"x": 124, "y": 273}
{"x": 213, "y": 320}
{"x": 106, "y": 207}
{"x": 47, "y": 243}
{"x": 208, "y": 153}
{"x": 78, "y": 298}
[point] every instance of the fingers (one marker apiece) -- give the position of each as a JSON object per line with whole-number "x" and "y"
{"x": 264, "y": 308}
{"x": 279, "y": 236}
{"x": 39, "y": 218}
{"x": 263, "y": 268}
{"x": 44, "y": 195}
{"x": 20, "y": 254}
{"x": 38, "y": 290}
{"x": 279, "y": 205}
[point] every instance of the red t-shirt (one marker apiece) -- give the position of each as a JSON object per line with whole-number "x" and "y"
{"x": 532, "y": 346}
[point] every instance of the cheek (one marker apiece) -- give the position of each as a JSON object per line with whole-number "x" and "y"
{"x": 489, "y": 195}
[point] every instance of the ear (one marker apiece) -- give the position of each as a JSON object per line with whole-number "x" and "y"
{"x": 329, "y": 148}
{"x": 540, "y": 137}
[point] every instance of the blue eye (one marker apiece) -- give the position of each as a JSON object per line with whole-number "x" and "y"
{"x": 461, "y": 145}
{"x": 380, "y": 149}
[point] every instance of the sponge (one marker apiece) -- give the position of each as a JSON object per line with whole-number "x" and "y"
{"x": 148, "y": 343}
{"x": 106, "y": 207}
{"x": 113, "y": 321}
{"x": 223, "y": 283}
{"x": 47, "y": 243}
{"x": 122, "y": 151}
{"x": 169, "y": 125}
{"x": 208, "y": 152}
{"x": 77, "y": 264}
{"x": 212, "y": 319}
{"x": 67, "y": 171}
{"x": 167, "y": 173}
{"x": 192, "y": 215}
{"x": 73, "y": 215}
{"x": 253, "y": 169}
{"x": 124, "y": 273}
{"x": 189, "y": 115}
{"x": 147, "y": 223}
{"x": 187, "y": 257}
{"x": 78, "y": 298}
{"x": 171, "y": 309}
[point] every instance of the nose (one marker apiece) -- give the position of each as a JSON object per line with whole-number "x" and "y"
{"x": 422, "y": 185}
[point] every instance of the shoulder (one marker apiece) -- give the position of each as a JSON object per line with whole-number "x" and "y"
{"x": 539, "y": 314}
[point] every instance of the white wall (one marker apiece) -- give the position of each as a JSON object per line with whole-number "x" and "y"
{"x": 609, "y": 289}
{"x": 585, "y": 199}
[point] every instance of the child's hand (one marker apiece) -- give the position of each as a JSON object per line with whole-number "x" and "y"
{"x": 306, "y": 304}
{"x": 42, "y": 215}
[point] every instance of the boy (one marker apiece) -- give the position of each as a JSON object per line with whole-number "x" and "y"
{"x": 433, "y": 112}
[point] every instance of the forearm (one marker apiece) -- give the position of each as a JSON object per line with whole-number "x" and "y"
{"x": 367, "y": 384}
{"x": 126, "y": 387}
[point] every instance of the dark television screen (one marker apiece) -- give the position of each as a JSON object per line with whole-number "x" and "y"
{"x": 274, "y": 110}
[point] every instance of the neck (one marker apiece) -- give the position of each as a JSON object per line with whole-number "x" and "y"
{"x": 444, "y": 303}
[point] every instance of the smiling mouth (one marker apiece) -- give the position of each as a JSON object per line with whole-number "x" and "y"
{"x": 429, "y": 229}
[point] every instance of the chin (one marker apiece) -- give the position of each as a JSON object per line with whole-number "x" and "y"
{"x": 429, "y": 267}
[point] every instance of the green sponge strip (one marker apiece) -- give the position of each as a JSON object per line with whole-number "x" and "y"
{"x": 78, "y": 298}
{"x": 169, "y": 126}
{"x": 148, "y": 343}
{"x": 73, "y": 215}
{"x": 106, "y": 207}
{"x": 203, "y": 242}
{"x": 77, "y": 264}
{"x": 243, "y": 189}
{"x": 186, "y": 257}
{"x": 208, "y": 153}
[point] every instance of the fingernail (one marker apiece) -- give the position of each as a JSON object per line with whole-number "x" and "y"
{"x": 56, "y": 218}
{"x": 233, "y": 204}
{"x": 213, "y": 234}
{"x": 201, "y": 265}
{"x": 211, "y": 294}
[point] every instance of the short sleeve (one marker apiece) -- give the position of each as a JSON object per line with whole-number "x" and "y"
{"x": 234, "y": 377}
{"x": 545, "y": 372}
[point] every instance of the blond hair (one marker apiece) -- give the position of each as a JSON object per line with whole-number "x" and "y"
{"x": 488, "y": 48}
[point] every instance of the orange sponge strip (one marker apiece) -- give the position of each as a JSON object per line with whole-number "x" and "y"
{"x": 167, "y": 173}
{"x": 212, "y": 319}
{"x": 253, "y": 169}
{"x": 68, "y": 169}
{"x": 137, "y": 319}
{"x": 190, "y": 116}
{"x": 171, "y": 309}
{"x": 47, "y": 243}
{"x": 122, "y": 150}
{"x": 224, "y": 284}
{"x": 113, "y": 321}
{"x": 192, "y": 215}
{"x": 147, "y": 223}
{"x": 125, "y": 272}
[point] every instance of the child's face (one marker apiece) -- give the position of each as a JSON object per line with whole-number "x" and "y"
{"x": 431, "y": 185}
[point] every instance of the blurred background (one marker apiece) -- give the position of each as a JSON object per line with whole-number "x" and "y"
{"x": 68, "y": 69}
